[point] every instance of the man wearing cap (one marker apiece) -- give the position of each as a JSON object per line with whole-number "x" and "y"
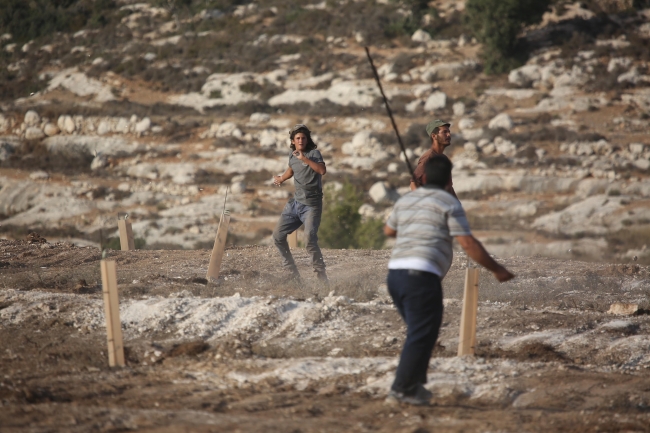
{"x": 307, "y": 167}
{"x": 438, "y": 131}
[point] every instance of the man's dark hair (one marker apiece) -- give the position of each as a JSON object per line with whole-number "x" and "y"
{"x": 435, "y": 131}
{"x": 438, "y": 171}
{"x": 310, "y": 143}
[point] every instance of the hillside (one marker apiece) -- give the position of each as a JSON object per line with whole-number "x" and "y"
{"x": 156, "y": 108}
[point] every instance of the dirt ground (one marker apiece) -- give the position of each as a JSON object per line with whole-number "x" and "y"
{"x": 251, "y": 353}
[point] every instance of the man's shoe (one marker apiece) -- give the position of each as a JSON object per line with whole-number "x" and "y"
{"x": 420, "y": 398}
{"x": 322, "y": 276}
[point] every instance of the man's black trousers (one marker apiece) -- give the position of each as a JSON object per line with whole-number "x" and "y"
{"x": 418, "y": 298}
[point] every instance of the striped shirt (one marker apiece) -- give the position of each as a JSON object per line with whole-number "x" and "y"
{"x": 426, "y": 220}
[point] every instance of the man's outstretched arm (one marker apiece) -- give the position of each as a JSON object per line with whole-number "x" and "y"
{"x": 277, "y": 180}
{"x": 477, "y": 252}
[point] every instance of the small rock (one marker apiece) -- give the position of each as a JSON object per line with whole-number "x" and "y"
{"x": 39, "y": 175}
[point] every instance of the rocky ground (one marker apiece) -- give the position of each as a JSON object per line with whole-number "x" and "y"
{"x": 250, "y": 353}
{"x": 158, "y": 112}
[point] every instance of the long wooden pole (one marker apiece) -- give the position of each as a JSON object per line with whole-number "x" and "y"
{"x": 112, "y": 310}
{"x": 467, "y": 340}
{"x": 219, "y": 246}
{"x": 127, "y": 242}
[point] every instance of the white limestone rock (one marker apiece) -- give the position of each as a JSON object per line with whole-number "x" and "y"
{"x": 381, "y": 193}
{"x": 421, "y": 36}
{"x": 34, "y": 133}
{"x": 466, "y": 123}
{"x": 32, "y": 118}
{"x": 100, "y": 161}
{"x": 458, "y": 109}
{"x": 50, "y": 129}
{"x": 505, "y": 147}
{"x": 39, "y": 175}
{"x": 525, "y": 76}
{"x": 436, "y": 101}
{"x": 501, "y": 121}
{"x": 143, "y": 126}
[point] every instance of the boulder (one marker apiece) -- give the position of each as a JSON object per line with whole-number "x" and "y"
{"x": 501, "y": 121}
{"x": 39, "y": 175}
{"x": 466, "y": 123}
{"x": 34, "y": 133}
{"x": 257, "y": 118}
{"x": 99, "y": 162}
{"x": 421, "y": 36}
{"x": 436, "y": 101}
{"x": 505, "y": 147}
{"x": 415, "y": 105}
{"x": 525, "y": 76}
{"x": 458, "y": 109}
{"x": 364, "y": 143}
{"x": 32, "y": 118}
{"x": 50, "y": 129}
{"x": 618, "y": 62}
{"x": 143, "y": 125}
{"x": 381, "y": 193}
{"x": 66, "y": 124}
{"x": 104, "y": 127}
{"x": 5, "y": 123}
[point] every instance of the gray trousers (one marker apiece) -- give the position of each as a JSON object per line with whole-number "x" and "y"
{"x": 293, "y": 216}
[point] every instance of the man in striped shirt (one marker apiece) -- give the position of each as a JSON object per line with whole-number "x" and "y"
{"x": 425, "y": 221}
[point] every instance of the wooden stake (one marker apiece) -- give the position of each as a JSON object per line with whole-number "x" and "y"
{"x": 126, "y": 235}
{"x": 467, "y": 340}
{"x": 293, "y": 239}
{"x": 219, "y": 246}
{"x": 112, "y": 309}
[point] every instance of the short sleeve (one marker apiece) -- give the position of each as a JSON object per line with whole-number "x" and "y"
{"x": 457, "y": 222}
{"x": 289, "y": 162}
{"x": 392, "y": 219}
{"x": 315, "y": 156}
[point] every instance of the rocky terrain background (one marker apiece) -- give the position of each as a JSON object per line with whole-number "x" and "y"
{"x": 161, "y": 107}
{"x": 158, "y": 108}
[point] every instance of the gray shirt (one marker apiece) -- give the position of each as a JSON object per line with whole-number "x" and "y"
{"x": 426, "y": 220}
{"x": 309, "y": 184}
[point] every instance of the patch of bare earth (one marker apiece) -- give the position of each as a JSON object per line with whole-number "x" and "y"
{"x": 253, "y": 353}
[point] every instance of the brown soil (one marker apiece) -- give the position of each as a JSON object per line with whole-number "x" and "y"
{"x": 55, "y": 377}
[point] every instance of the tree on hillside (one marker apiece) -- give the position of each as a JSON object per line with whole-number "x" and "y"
{"x": 497, "y": 23}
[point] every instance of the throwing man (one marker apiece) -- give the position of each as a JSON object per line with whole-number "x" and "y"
{"x": 425, "y": 221}
{"x": 307, "y": 167}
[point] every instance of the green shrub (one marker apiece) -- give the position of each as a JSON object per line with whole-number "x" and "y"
{"x": 27, "y": 20}
{"x": 114, "y": 243}
{"x": 341, "y": 226}
{"x": 496, "y": 24}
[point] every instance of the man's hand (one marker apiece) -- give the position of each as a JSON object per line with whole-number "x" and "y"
{"x": 503, "y": 275}
{"x": 298, "y": 154}
{"x": 476, "y": 252}
{"x": 277, "y": 180}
